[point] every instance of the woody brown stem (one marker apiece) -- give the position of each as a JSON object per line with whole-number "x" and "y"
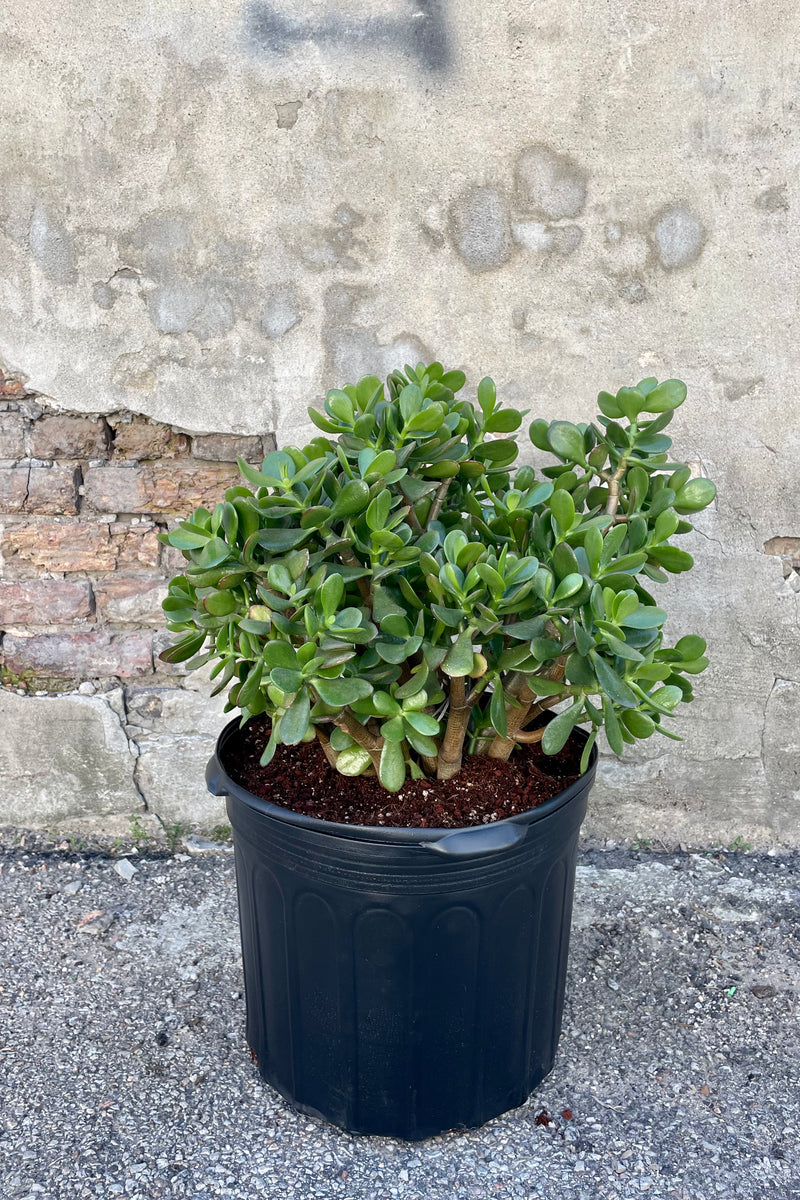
{"x": 452, "y": 749}
{"x": 612, "y": 504}
{"x": 362, "y": 736}
{"x": 438, "y": 501}
{"x": 529, "y": 736}
{"x": 519, "y": 716}
{"x": 327, "y": 748}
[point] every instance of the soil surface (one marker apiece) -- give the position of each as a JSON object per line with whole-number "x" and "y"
{"x": 485, "y": 790}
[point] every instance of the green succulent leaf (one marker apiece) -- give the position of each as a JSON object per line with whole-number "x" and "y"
{"x": 353, "y": 761}
{"x": 458, "y": 660}
{"x": 566, "y": 440}
{"x": 392, "y": 770}
{"x": 341, "y": 692}
{"x": 558, "y": 730}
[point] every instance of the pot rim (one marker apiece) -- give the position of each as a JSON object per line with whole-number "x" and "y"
{"x": 220, "y": 784}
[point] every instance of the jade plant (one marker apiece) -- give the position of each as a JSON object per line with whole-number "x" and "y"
{"x": 405, "y": 592}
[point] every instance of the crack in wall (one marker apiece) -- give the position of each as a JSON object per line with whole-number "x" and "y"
{"x": 134, "y": 748}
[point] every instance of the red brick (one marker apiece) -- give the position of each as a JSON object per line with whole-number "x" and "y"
{"x": 13, "y": 489}
{"x": 227, "y": 447}
{"x": 79, "y": 655}
{"x": 64, "y": 546}
{"x": 131, "y": 600}
{"x": 12, "y": 430}
{"x": 69, "y": 546}
{"x": 44, "y": 602}
{"x": 136, "y": 546}
{"x": 156, "y": 489}
{"x": 53, "y": 491}
{"x": 143, "y": 440}
{"x": 10, "y": 388}
{"x": 68, "y": 437}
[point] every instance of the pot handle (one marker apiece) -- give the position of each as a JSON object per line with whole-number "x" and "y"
{"x": 214, "y": 777}
{"x": 485, "y": 839}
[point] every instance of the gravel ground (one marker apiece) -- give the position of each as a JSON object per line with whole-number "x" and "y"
{"x": 123, "y": 1068}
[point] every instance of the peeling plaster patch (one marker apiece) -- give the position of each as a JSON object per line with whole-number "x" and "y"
{"x": 173, "y": 305}
{"x": 773, "y": 199}
{"x": 288, "y": 113}
{"x": 335, "y": 245}
{"x": 162, "y": 235}
{"x": 549, "y": 183}
{"x": 479, "y": 229}
{"x": 350, "y": 122}
{"x": 133, "y": 372}
{"x": 354, "y": 349}
{"x": 51, "y": 246}
{"x": 678, "y": 236}
{"x": 104, "y": 296}
{"x": 191, "y": 306}
{"x": 281, "y": 312}
{"x": 125, "y": 281}
{"x": 737, "y": 389}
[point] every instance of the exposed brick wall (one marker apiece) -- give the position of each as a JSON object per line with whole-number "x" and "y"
{"x": 82, "y": 500}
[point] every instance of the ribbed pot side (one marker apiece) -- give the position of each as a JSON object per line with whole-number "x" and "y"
{"x": 403, "y": 982}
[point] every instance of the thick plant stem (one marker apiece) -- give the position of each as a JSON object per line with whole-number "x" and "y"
{"x": 438, "y": 501}
{"x": 430, "y": 764}
{"x": 501, "y": 747}
{"x": 517, "y": 717}
{"x": 327, "y": 748}
{"x": 612, "y": 504}
{"x": 452, "y": 749}
{"x": 530, "y": 737}
{"x": 362, "y": 736}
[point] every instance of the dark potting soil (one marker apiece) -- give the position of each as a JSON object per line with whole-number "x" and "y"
{"x": 300, "y": 778}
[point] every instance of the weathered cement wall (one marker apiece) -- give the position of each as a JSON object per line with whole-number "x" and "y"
{"x": 210, "y": 216}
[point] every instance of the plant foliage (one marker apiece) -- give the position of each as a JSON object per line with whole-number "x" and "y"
{"x": 401, "y": 589}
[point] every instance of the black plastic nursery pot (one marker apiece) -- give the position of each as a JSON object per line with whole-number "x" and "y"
{"x": 403, "y": 981}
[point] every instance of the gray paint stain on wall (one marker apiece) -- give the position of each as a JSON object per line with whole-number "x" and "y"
{"x": 480, "y": 230}
{"x": 549, "y": 183}
{"x": 281, "y": 312}
{"x": 51, "y": 245}
{"x": 678, "y": 237}
{"x": 420, "y": 33}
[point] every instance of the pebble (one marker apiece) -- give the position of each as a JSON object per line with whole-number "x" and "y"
{"x": 126, "y": 869}
{"x": 73, "y": 887}
{"x": 202, "y": 845}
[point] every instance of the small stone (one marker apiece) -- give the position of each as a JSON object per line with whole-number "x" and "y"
{"x": 764, "y": 991}
{"x": 126, "y": 869}
{"x": 73, "y": 887}
{"x": 201, "y": 845}
{"x": 87, "y": 688}
{"x": 95, "y": 923}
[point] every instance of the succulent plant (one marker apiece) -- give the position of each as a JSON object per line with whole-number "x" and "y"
{"x": 406, "y": 593}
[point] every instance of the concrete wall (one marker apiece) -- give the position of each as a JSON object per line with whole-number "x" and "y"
{"x": 209, "y": 215}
